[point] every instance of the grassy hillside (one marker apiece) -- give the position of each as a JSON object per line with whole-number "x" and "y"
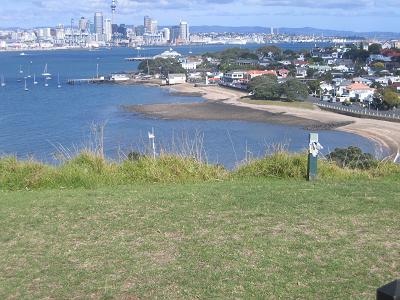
{"x": 239, "y": 238}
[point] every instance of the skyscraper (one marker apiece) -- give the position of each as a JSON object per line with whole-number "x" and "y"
{"x": 98, "y": 23}
{"x": 166, "y": 34}
{"x": 184, "y": 31}
{"x": 108, "y": 30}
{"x": 83, "y": 24}
{"x": 153, "y": 26}
{"x": 174, "y": 33}
{"x": 147, "y": 24}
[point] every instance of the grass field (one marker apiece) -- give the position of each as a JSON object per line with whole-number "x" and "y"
{"x": 296, "y": 104}
{"x": 248, "y": 239}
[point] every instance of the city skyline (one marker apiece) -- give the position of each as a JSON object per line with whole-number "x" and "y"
{"x": 331, "y": 14}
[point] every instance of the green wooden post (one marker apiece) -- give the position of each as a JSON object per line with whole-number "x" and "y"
{"x": 312, "y": 170}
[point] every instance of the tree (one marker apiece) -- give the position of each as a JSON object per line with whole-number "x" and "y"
{"x": 357, "y": 55}
{"x": 378, "y": 65}
{"x": 353, "y": 158}
{"x": 266, "y": 50}
{"x": 375, "y": 48}
{"x": 161, "y": 66}
{"x": 311, "y": 72}
{"x": 390, "y": 98}
{"x": 265, "y": 87}
{"x": 314, "y": 86}
{"x": 294, "y": 90}
{"x": 327, "y": 77}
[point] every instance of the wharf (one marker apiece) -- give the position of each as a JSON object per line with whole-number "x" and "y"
{"x": 85, "y": 80}
{"x": 141, "y": 58}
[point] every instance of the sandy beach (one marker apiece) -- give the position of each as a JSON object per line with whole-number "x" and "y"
{"x": 225, "y": 104}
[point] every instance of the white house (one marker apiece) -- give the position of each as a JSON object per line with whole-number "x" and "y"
{"x": 176, "y": 78}
{"x": 360, "y": 92}
{"x": 301, "y": 72}
{"x": 234, "y": 76}
{"x": 384, "y": 81}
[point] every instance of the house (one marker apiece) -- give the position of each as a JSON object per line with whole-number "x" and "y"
{"x": 384, "y": 81}
{"x": 345, "y": 62}
{"x": 301, "y": 72}
{"x": 195, "y": 76}
{"x": 387, "y": 45}
{"x": 396, "y": 85}
{"x": 362, "y": 80}
{"x": 255, "y": 73}
{"x": 321, "y": 69}
{"x": 176, "y": 78}
{"x": 379, "y": 57}
{"x": 191, "y": 63}
{"x": 360, "y": 92}
{"x": 234, "y": 76}
{"x": 300, "y": 63}
{"x": 326, "y": 88}
{"x": 246, "y": 62}
{"x": 283, "y": 73}
{"x": 341, "y": 68}
{"x": 285, "y": 62}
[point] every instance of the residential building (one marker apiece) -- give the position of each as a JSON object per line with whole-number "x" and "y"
{"x": 255, "y": 73}
{"x": 235, "y": 76}
{"x": 360, "y": 92}
{"x": 301, "y": 72}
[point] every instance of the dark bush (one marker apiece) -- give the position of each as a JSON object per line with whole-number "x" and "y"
{"x": 353, "y": 158}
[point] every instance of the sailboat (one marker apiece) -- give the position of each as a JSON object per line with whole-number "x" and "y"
{"x": 46, "y": 73}
{"x": 26, "y": 88}
{"x": 59, "y": 84}
{"x": 3, "y": 84}
{"x": 29, "y": 71}
{"x": 45, "y": 82}
{"x": 20, "y": 69}
{"x": 34, "y": 79}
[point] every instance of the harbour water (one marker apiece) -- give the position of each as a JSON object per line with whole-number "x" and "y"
{"x": 34, "y": 122}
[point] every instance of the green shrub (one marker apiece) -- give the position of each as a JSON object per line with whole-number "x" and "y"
{"x": 353, "y": 158}
{"x": 88, "y": 170}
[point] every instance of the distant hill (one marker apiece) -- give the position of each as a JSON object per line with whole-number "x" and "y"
{"x": 295, "y": 31}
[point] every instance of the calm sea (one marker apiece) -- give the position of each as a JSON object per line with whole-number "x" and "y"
{"x": 35, "y": 122}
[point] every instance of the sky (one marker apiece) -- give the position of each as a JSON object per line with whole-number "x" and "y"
{"x": 353, "y": 15}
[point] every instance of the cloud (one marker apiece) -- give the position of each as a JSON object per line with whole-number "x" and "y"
{"x": 50, "y": 12}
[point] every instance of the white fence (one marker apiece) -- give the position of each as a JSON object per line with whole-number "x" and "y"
{"x": 362, "y": 113}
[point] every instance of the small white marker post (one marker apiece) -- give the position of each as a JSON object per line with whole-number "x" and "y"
{"x": 314, "y": 148}
{"x": 152, "y": 138}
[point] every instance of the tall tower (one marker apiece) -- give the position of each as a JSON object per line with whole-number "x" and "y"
{"x": 113, "y": 8}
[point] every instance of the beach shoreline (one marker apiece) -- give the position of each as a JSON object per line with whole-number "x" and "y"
{"x": 224, "y": 104}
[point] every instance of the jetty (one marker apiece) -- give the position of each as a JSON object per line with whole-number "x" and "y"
{"x": 141, "y": 58}
{"x": 86, "y": 80}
